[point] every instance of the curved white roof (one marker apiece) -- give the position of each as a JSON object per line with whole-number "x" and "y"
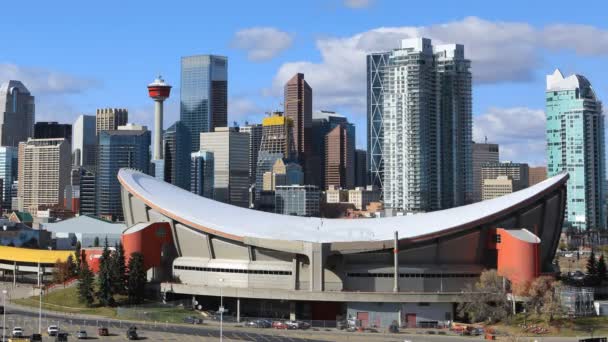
{"x": 242, "y": 222}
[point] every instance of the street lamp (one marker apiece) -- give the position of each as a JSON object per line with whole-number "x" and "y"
{"x": 4, "y": 314}
{"x": 40, "y": 302}
{"x": 221, "y": 310}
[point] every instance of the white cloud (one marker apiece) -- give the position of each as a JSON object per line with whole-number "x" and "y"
{"x": 519, "y": 131}
{"x": 262, "y": 43}
{"x": 243, "y": 109}
{"x": 499, "y": 52}
{"x": 356, "y": 4}
{"x": 45, "y": 81}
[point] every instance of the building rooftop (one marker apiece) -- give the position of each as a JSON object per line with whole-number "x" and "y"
{"x": 85, "y": 224}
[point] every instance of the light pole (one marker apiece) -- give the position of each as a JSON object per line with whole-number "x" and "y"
{"x": 4, "y": 314}
{"x": 40, "y": 302}
{"x": 221, "y": 310}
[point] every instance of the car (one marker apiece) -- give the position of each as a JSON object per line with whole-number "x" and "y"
{"x": 193, "y": 320}
{"x": 103, "y": 331}
{"x": 82, "y": 335}
{"x": 17, "y": 332}
{"x": 52, "y": 330}
{"x": 259, "y": 323}
{"x": 279, "y": 325}
{"x": 297, "y": 325}
{"x": 36, "y": 338}
{"x": 61, "y": 337}
{"x": 132, "y": 333}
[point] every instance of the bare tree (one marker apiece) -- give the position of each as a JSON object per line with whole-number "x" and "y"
{"x": 487, "y": 300}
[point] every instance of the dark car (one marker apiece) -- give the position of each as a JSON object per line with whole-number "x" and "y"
{"x": 36, "y": 338}
{"x": 103, "y": 331}
{"x": 259, "y": 323}
{"x": 61, "y": 337}
{"x": 132, "y": 333}
{"x": 193, "y": 320}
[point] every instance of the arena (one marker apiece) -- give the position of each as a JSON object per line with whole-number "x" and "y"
{"x": 410, "y": 269}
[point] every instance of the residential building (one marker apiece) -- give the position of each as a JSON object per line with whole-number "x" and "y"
{"x": 44, "y": 172}
{"x": 52, "y": 129}
{"x": 84, "y": 141}
{"x": 177, "y": 155}
{"x": 109, "y": 119}
{"x": 17, "y": 113}
{"x": 361, "y": 197}
{"x": 361, "y": 174}
{"x": 127, "y": 147}
{"x": 376, "y": 69}
{"x": 427, "y": 127}
{"x": 334, "y": 194}
{"x": 483, "y": 153}
{"x": 339, "y": 158}
{"x": 297, "y": 200}
{"x": 204, "y": 95}
{"x": 517, "y": 172}
{"x": 8, "y": 173}
{"x": 499, "y": 186}
{"x": 201, "y": 170}
{"x": 575, "y": 144}
{"x": 230, "y": 150}
{"x": 537, "y": 174}
{"x": 255, "y": 140}
{"x": 298, "y": 108}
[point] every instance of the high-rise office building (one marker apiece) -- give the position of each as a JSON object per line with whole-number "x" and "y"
{"x": 537, "y": 174}
{"x": 109, "y": 119}
{"x": 575, "y": 143}
{"x": 17, "y": 113}
{"x": 87, "y": 191}
{"x": 202, "y": 168}
{"x": 297, "y": 200}
{"x": 52, "y": 130}
{"x": 8, "y": 173}
{"x": 497, "y": 187}
{"x": 177, "y": 155}
{"x": 128, "y": 147}
{"x": 230, "y": 150}
{"x": 427, "y": 127}
{"x": 339, "y": 158}
{"x": 483, "y": 153}
{"x": 277, "y": 135}
{"x": 361, "y": 174}
{"x": 376, "y": 68}
{"x": 517, "y": 172}
{"x": 44, "y": 172}
{"x": 298, "y": 108}
{"x": 255, "y": 139}
{"x": 84, "y": 141}
{"x": 204, "y": 95}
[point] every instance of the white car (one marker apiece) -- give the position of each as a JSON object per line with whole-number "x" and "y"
{"x": 17, "y": 332}
{"x": 52, "y": 330}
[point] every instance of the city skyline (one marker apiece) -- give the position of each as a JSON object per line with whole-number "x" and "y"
{"x": 522, "y": 49}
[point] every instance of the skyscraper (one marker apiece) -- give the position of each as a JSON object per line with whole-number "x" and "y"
{"x": 339, "y": 158}
{"x": 202, "y": 167}
{"x": 87, "y": 191}
{"x": 517, "y": 172}
{"x": 427, "y": 127}
{"x": 8, "y": 172}
{"x": 44, "y": 172}
{"x": 177, "y": 155}
{"x": 52, "y": 130}
{"x": 361, "y": 174}
{"x": 298, "y": 108}
{"x": 537, "y": 175}
{"x": 84, "y": 141}
{"x": 255, "y": 139}
{"x": 230, "y": 150}
{"x": 109, "y": 119}
{"x": 204, "y": 95}
{"x": 127, "y": 147}
{"x": 575, "y": 143}
{"x": 17, "y": 113}
{"x": 376, "y": 68}
{"x": 483, "y": 153}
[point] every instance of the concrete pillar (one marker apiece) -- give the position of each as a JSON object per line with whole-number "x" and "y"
{"x": 14, "y": 273}
{"x": 158, "y": 129}
{"x": 238, "y": 310}
{"x": 396, "y": 263}
{"x": 292, "y": 311}
{"x": 294, "y": 273}
{"x": 317, "y": 253}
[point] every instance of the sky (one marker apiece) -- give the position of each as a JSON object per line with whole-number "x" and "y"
{"x": 77, "y": 56}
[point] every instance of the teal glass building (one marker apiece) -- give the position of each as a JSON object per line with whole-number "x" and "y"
{"x": 575, "y": 144}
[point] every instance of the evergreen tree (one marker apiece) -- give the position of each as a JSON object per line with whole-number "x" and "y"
{"x": 119, "y": 270}
{"x": 137, "y": 279}
{"x": 601, "y": 269}
{"x": 78, "y": 255}
{"x": 104, "y": 278}
{"x": 85, "y": 283}
{"x": 592, "y": 269}
{"x": 71, "y": 268}
{"x": 96, "y": 242}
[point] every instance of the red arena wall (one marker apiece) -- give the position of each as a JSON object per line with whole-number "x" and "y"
{"x": 147, "y": 240}
{"x": 517, "y": 259}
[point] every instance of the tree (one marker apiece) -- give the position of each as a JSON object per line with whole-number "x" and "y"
{"x": 487, "y": 300}
{"x": 104, "y": 277}
{"x": 543, "y": 297}
{"x": 592, "y": 276}
{"x": 119, "y": 270}
{"x": 96, "y": 242}
{"x": 85, "y": 282}
{"x": 61, "y": 272}
{"x": 78, "y": 254}
{"x": 71, "y": 268}
{"x": 136, "y": 279}
{"x": 601, "y": 269}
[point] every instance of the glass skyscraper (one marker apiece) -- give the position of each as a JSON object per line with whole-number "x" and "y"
{"x": 8, "y": 173}
{"x": 177, "y": 155}
{"x": 575, "y": 143}
{"x": 204, "y": 95}
{"x": 376, "y": 66}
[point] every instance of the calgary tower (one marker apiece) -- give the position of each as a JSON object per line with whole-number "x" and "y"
{"x": 159, "y": 91}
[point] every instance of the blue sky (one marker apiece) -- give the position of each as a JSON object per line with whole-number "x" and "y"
{"x": 77, "y": 56}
